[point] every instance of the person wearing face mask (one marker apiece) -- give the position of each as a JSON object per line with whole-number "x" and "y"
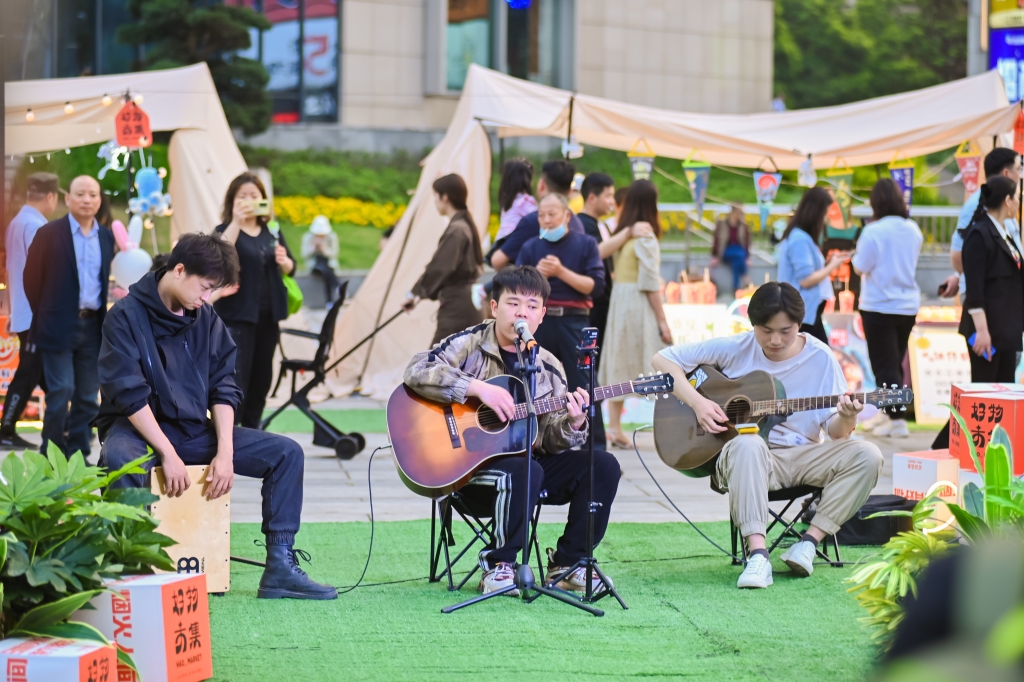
{"x": 571, "y": 262}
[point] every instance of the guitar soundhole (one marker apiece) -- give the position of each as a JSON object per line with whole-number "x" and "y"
{"x": 489, "y": 420}
{"x": 738, "y": 411}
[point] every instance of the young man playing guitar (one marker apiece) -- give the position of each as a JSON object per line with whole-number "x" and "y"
{"x": 796, "y": 453}
{"x": 456, "y": 369}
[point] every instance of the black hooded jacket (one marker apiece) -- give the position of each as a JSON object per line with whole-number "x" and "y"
{"x": 180, "y": 365}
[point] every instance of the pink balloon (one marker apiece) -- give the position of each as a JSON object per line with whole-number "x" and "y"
{"x": 120, "y": 235}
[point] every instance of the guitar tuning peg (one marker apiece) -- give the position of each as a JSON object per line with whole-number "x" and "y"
{"x": 665, "y": 396}
{"x": 903, "y": 409}
{"x": 905, "y": 386}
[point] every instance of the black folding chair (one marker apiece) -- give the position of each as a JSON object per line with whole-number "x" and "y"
{"x": 325, "y": 434}
{"x": 478, "y": 517}
{"x": 790, "y": 496}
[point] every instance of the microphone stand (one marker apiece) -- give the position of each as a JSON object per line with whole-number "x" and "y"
{"x": 588, "y": 360}
{"x": 525, "y": 581}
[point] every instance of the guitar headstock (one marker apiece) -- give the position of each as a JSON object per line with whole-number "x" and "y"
{"x": 653, "y": 385}
{"x": 890, "y": 397}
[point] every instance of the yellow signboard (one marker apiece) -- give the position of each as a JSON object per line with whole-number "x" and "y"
{"x": 1006, "y": 14}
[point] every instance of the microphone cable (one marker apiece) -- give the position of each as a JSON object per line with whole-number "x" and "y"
{"x": 369, "y": 551}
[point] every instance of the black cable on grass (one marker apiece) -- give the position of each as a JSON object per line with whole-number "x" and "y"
{"x": 669, "y": 499}
{"x": 369, "y": 551}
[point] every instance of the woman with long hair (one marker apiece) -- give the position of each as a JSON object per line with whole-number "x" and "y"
{"x": 636, "y": 328}
{"x": 456, "y": 265}
{"x": 993, "y": 314}
{"x": 801, "y": 262}
{"x": 886, "y": 260}
{"x": 515, "y": 196}
{"x": 252, "y": 309}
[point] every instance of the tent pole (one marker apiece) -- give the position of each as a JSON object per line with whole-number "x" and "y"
{"x": 568, "y": 131}
{"x": 686, "y": 243}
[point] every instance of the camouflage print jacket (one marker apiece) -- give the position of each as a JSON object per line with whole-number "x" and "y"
{"x": 444, "y": 372}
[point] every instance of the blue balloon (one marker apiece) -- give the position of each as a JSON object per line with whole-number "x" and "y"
{"x": 147, "y": 181}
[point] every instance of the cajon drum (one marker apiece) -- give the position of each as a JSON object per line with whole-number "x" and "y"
{"x": 201, "y": 527}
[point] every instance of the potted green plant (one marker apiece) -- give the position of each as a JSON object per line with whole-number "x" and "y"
{"x": 64, "y": 532}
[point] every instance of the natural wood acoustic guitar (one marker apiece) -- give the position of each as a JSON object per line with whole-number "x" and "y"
{"x": 756, "y": 398}
{"x": 438, "y": 447}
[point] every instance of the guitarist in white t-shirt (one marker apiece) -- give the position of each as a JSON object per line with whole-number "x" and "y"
{"x": 809, "y": 448}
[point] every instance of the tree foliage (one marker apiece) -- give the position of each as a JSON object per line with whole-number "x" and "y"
{"x": 181, "y": 32}
{"x": 835, "y": 51}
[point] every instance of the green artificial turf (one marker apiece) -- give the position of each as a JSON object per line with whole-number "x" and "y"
{"x": 362, "y": 421}
{"x": 686, "y": 618}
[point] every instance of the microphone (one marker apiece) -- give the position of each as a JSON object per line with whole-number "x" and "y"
{"x": 523, "y": 332}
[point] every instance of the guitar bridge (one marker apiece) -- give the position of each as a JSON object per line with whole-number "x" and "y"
{"x": 453, "y": 427}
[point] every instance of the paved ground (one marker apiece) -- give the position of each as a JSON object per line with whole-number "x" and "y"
{"x": 337, "y": 491}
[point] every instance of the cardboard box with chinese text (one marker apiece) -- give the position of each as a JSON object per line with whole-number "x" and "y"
{"x": 982, "y": 412}
{"x": 46, "y": 659}
{"x": 163, "y": 621}
{"x": 915, "y": 473}
{"x": 958, "y": 390}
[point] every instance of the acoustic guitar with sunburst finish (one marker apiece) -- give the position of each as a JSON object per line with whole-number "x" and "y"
{"x": 755, "y": 398}
{"x": 438, "y": 447}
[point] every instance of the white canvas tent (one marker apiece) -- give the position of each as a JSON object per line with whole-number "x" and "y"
{"x": 203, "y": 155}
{"x": 862, "y": 133}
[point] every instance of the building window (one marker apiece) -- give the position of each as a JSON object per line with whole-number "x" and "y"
{"x": 309, "y": 93}
{"x": 534, "y": 43}
{"x": 468, "y": 38}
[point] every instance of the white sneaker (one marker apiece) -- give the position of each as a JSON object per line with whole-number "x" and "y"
{"x": 757, "y": 574}
{"x": 499, "y": 577}
{"x": 876, "y": 421}
{"x": 800, "y": 558}
{"x": 894, "y": 428}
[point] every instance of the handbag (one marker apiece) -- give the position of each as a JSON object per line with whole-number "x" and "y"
{"x": 861, "y": 530}
{"x": 294, "y": 294}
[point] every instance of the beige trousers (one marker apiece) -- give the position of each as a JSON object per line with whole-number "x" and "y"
{"x": 846, "y": 470}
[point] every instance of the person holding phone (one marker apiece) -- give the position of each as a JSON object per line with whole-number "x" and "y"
{"x": 801, "y": 262}
{"x": 253, "y": 308}
{"x": 993, "y": 313}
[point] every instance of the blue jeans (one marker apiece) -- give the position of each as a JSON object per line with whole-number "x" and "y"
{"x": 276, "y": 459}
{"x": 736, "y": 256}
{"x": 73, "y": 379}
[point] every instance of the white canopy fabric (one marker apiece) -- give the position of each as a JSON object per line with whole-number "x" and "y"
{"x": 863, "y": 133}
{"x": 203, "y": 155}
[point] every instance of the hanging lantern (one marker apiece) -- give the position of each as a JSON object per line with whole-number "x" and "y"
{"x": 30, "y": 116}
{"x": 107, "y": 100}
{"x": 69, "y": 108}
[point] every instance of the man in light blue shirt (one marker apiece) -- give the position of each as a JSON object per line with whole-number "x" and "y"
{"x": 40, "y": 201}
{"x": 999, "y": 161}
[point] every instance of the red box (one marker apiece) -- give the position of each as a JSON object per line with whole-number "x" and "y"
{"x": 981, "y": 413}
{"x": 46, "y": 659}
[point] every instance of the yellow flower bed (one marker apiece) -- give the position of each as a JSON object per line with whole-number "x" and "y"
{"x": 302, "y": 210}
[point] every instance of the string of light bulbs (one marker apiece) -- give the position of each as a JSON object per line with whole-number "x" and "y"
{"x": 69, "y": 106}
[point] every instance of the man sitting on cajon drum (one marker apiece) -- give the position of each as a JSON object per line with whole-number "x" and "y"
{"x": 166, "y": 360}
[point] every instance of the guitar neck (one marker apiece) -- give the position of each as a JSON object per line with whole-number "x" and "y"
{"x": 790, "y": 405}
{"x": 545, "y": 405}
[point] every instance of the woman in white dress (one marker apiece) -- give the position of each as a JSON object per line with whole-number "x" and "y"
{"x": 637, "y": 328}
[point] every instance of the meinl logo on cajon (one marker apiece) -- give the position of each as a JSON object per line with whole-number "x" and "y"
{"x": 163, "y": 621}
{"x": 46, "y": 659}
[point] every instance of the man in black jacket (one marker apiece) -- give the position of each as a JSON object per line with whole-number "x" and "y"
{"x": 66, "y": 274}
{"x": 166, "y": 361}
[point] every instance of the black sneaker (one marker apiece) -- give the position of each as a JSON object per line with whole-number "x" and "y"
{"x": 13, "y": 440}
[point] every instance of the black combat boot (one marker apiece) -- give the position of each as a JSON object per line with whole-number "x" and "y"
{"x": 283, "y": 579}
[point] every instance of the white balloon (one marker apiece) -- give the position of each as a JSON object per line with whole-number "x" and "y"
{"x": 128, "y": 267}
{"x": 135, "y": 229}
